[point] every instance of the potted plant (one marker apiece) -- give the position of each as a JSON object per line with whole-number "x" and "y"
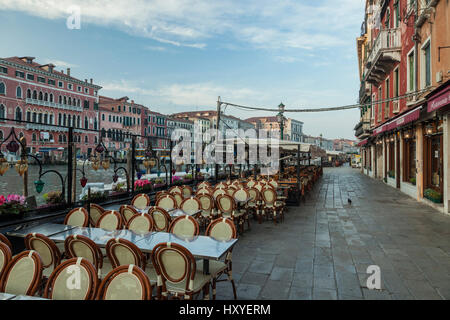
{"x": 433, "y": 195}
{"x": 97, "y": 196}
{"x": 159, "y": 183}
{"x": 187, "y": 178}
{"x": 12, "y": 207}
{"x": 176, "y": 180}
{"x": 413, "y": 181}
{"x": 142, "y": 185}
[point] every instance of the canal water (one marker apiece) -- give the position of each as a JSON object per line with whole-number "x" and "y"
{"x": 12, "y": 183}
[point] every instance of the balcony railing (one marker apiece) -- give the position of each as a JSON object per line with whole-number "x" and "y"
{"x": 387, "y": 40}
{"x": 53, "y": 104}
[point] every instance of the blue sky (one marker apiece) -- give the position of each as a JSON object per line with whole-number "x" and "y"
{"x": 179, "y": 55}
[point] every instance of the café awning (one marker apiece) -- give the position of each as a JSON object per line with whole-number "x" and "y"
{"x": 404, "y": 119}
{"x": 362, "y": 142}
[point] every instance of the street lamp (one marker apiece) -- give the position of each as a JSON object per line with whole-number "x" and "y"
{"x": 280, "y": 118}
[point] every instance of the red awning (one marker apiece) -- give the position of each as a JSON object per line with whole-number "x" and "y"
{"x": 362, "y": 142}
{"x": 439, "y": 100}
{"x": 408, "y": 117}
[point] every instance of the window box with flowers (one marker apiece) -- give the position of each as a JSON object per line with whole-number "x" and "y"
{"x": 53, "y": 201}
{"x": 433, "y": 195}
{"x": 143, "y": 185}
{"x": 12, "y": 207}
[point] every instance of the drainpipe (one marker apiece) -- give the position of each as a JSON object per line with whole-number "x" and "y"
{"x": 416, "y": 46}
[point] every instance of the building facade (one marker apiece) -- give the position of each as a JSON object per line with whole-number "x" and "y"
{"x": 49, "y": 101}
{"x": 407, "y": 68}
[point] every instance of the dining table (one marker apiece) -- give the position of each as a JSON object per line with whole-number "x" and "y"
{"x": 47, "y": 229}
{"x": 201, "y": 247}
{"x": 173, "y": 213}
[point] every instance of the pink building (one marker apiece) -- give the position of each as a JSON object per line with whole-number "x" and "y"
{"x": 43, "y": 97}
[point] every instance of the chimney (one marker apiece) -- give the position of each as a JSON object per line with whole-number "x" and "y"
{"x": 68, "y": 72}
{"x": 62, "y": 71}
{"x": 91, "y": 80}
{"x": 85, "y": 80}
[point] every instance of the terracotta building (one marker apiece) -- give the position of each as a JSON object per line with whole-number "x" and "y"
{"x": 404, "y": 58}
{"x": 49, "y": 101}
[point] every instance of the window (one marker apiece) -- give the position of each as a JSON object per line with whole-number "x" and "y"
{"x": 40, "y": 79}
{"x": 51, "y": 82}
{"x": 41, "y": 96}
{"x": 29, "y": 115}
{"x": 103, "y": 117}
{"x": 2, "y": 88}
{"x": 397, "y": 13}
{"x": 18, "y": 113}
{"x": 109, "y": 118}
{"x": 409, "y": 166}
{"x": 386, "y": 96}
{"x": 79, "y": 88}
{"x": 33, "y": 137}
{"x": 60, "y": 85}
{"x": 30, "y": 76}
{"x": 86, "y": 139}
{"x": 411, "y": 80}
{"x": 3, "y": 70}
{"x": 40, "y": 117}
{"x": 2, "y": 111}
{"x": 396, "y": 83}
{"x": 86, "y": 90}
{"x": 427, "y": 64}
{"x": 379, "y": 103}
{"x": 86, "y": 123}
{"x": 69, "y": 86}
{"x": 35, "y": 117}
{"x": 96, "y": 106}
{"x": 19, "y": 92}
{"x": 86, "y": 104}
{"x": 20, "y": 74}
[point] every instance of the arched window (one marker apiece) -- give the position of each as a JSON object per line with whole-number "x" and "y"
{"x": 64, "y": 120}
{"x": 74, "y": 102}
{"x": 19, "y": 92}
{"x": 86, "y": 123}
{"x": 18, "y": 113}
{"x": 59, "y": 119}
{"x": 79, "y": 103}
{"x": 51, "y": 97}
{"x": 28, "y": 115}
{"x": 60, "y": 138}
{"x": 65, "y": 100}
{"x": 34, "y": 94}
{"x": 60, "y": 100}
{"x": 29, "y": 94}
{"x": 33, "y": 137}
{"x": 34, "y": 116}
{"x": 64, "y": 138}
{"x": 95, "y": 123}
{"x": 86, "y": 139}
{"x": 1, "y": 135}
{"x": 69, "y": 120}
{"x": 70, "y": 101}
{"x": 95, "y": 139}
{"x": 46, "y": 118}
{"x": 46, "y": 96}
{"x": 2, "y": 88}
{"x": 50, "y": 118}
{"x": 40, "y": 117}
{"x": 2, "y": 111}
{"x": 78, "y": 122}
{"x": 41, "y": 97}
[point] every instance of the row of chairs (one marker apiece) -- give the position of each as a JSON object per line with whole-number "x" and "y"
{"x": 173, "y": 269}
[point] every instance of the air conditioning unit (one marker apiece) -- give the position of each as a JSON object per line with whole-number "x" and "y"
{"x": 395, "y": 107}
{"x": 439, "y": 76}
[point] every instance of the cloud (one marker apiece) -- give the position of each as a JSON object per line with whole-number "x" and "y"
{"x": 60, "y": 63}
{"x": 263, "y": 24}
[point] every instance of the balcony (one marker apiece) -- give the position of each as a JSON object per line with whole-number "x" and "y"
{"x": 52, "y": 105}
{"x": 362, "y": 130}
{"x": 385, "y": 54}
{"x": 364, "y": 91}
{"x": 43, "y": 127}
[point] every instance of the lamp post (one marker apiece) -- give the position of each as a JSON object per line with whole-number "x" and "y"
{"x": 280, "y": 118}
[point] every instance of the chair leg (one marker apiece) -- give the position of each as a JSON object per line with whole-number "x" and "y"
{"x": 214, "y": 281}
{"x": 206, "y": 292}
{"x": 230, "y": 278}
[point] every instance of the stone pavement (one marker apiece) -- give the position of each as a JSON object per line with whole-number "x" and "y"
{"x": 324, "y": 246}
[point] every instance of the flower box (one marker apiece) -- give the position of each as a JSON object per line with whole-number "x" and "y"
{"x": 12, "y": 208}
{"x": 433, "y": 195}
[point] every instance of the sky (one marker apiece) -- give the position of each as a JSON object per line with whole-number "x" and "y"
{"x": 181, "y": 55}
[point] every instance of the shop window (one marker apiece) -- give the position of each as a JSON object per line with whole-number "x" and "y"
{"x": 409, "y": 159}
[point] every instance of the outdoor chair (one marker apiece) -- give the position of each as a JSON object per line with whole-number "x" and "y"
{"x": 127, "y": 282}
{"x": 23, "y": 274}
{"x": 271, "y": 205}
{"x": 243, "y": 195}
{"x": 123, "y": 252}
{"x": 184, "y": 227}
{"x": 95, "y": 212}
{"x": 203, "y": 184}
{"x": 6, "y": 241}
{"x": 167, "y": 202}
{"x": 141, "y": 201}
{"x": 81, "y": 246}
{"x": 58, "y": 284}
{"x": 218, "y": 192}
{"x": 254, "y": 205}
{"x": 110, "y": 220}
{"x": 191, "y": 205}
{"x": 186, "y": 191}
{"x": 176, "y": 189}
{"x": 178, "y": 197}
{"x": 127, "y": 212}
{"x": 177, "y": 272}
{"x": 221, "y": 229}
{"x": 204, "y": 190}
{"x": 140, "y": 223}
{"x": 161, "y": 219}
{"x": 5, "y": 257}
{"x": 226, "y": 206}
{"x": 77, "y": 217}
{"x": 47, "y": 249}
{"x": 207, "y": 206}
